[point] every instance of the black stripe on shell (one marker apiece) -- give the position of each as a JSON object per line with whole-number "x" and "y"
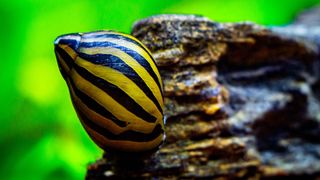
{"x": 139, "y": 58}
{"x": 116, "y": 36}
{"x": 116, "y": 63}
{"x": 128, "y": 135}
{"x": 116, "y": 93}
{"x": 65, "y": 56}
{"x": 94, "y": 106}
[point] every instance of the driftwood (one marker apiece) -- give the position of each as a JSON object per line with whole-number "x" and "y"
{"x": 241, "y": 101}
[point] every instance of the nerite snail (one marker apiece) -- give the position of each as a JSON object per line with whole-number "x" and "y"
{"x": 115, "y": 87}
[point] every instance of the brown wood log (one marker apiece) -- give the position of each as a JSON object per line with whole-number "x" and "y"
{"x": 241, "y": 101}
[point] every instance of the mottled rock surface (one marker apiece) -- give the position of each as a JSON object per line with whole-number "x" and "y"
{"x": 242, "y": 101}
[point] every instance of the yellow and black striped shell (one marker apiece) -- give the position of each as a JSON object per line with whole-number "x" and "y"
{"x": 115, "y": 87}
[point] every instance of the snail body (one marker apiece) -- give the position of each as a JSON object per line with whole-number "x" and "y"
{"x": 115, "y": 88}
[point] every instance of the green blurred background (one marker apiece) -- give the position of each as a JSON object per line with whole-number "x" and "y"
{"x": 41, "y": 137}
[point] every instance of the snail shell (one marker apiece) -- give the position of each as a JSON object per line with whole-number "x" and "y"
{"x": 115, "y": 88}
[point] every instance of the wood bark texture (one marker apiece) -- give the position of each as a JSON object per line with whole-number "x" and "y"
{"x": 241, "y": 101}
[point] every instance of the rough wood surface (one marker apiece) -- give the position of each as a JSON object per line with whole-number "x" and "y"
{"x": 241, "y": 101}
